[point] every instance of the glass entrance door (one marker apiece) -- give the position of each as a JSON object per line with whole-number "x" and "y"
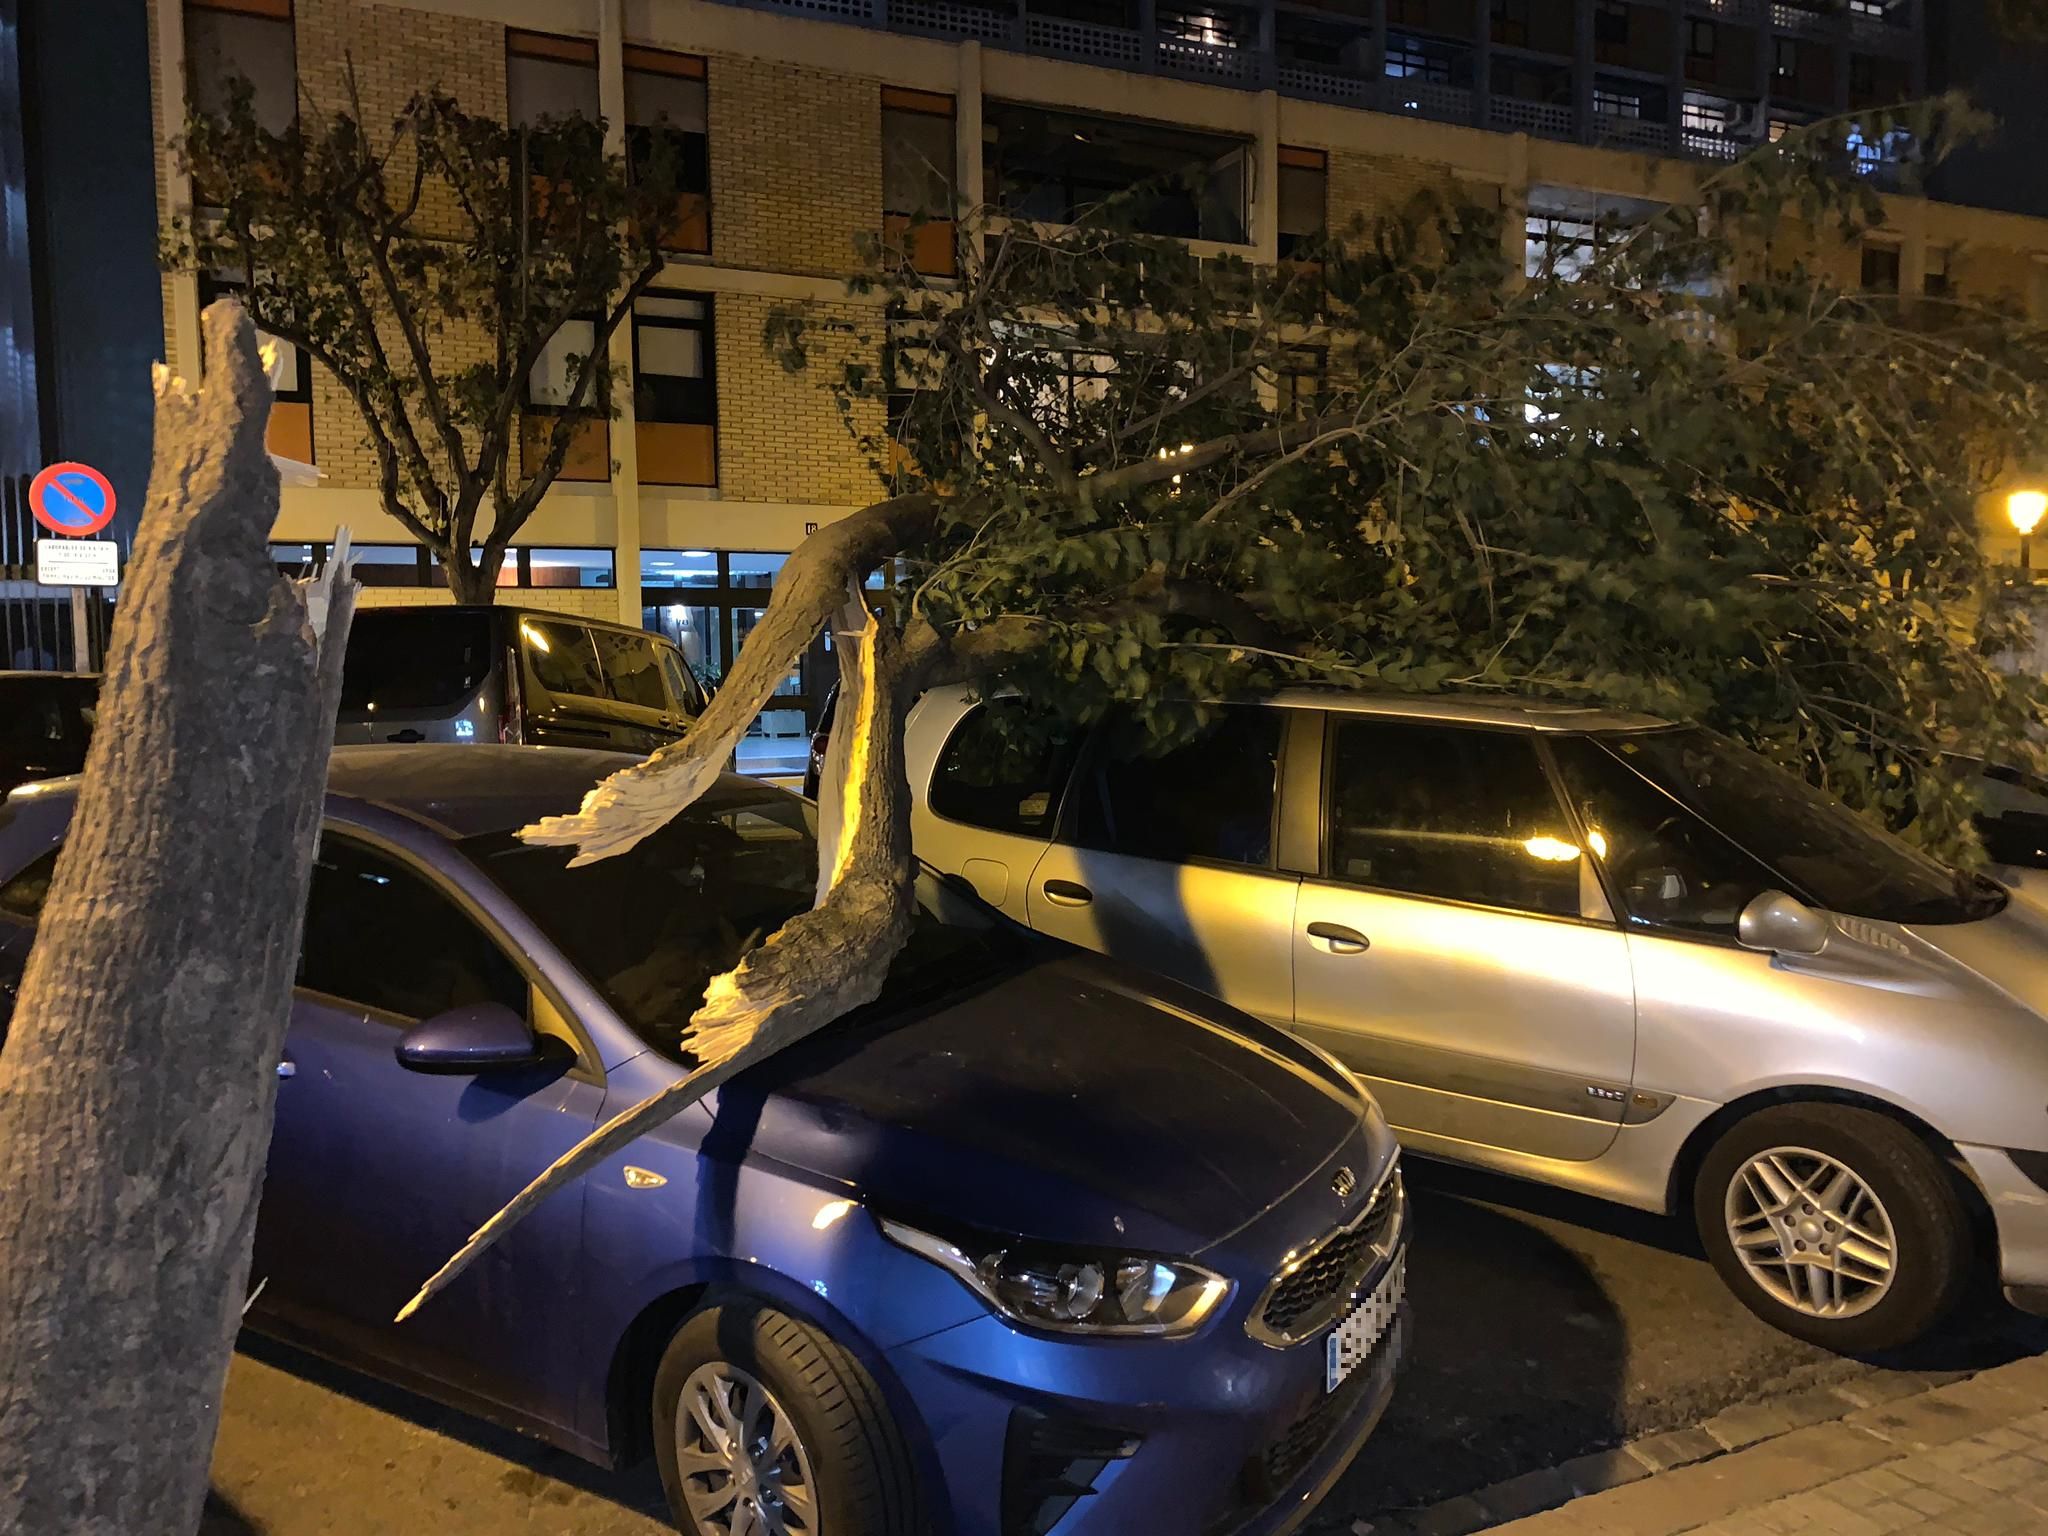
{"x": 708, "y": 602}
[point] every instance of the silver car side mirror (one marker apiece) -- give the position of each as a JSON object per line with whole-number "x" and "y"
{"x": 1781, "y": 924}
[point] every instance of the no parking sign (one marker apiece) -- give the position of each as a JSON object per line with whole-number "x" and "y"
{"x": 74, "y": 501}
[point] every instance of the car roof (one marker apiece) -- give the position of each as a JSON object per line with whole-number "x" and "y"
{"x": 1529, "y": 714}
{"x": 553, "y": 615}
{"x": 466, "y": 791}
{"x": 458, "y": 791}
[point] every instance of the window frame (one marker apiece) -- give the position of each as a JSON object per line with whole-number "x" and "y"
{"x": 543, "y": 996}
{"x": 1320, "y": 866}
{"x": 283, "y": 11}
{"x": 705, "y": 326}
{"x": 1056, "y": 814}
{"x": 1067, "y": 818}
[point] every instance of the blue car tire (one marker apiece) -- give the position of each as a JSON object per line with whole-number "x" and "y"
{"x": 763, "y": 1423}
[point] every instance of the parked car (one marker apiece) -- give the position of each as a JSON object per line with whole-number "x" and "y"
{"x": 1030, "y": 1242}
{"x": 1597, "y": 950}
{"x": 45, "y": 724}
{"x": 514, "y": 675}
{"x": 821, "y": 739}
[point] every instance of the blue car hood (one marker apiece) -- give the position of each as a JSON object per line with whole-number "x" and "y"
{"x": 1069, "y": 1101}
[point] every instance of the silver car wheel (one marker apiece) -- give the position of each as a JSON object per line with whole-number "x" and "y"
{"x": 1810, "y": 1232}
{"x": 743, "y": 1470}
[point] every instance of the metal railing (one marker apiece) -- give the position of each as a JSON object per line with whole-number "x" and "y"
{"x": 44, "y": 629}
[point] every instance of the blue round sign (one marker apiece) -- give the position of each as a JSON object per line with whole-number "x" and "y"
{"x": 74, "y": 500}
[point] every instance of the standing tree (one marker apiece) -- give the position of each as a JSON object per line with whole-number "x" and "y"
{"x": 427, "y": 267}
{"x": 136, "y": 1088}
{"x": 1678, "y": 471}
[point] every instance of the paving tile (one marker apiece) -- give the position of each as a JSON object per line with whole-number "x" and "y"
{"x": 1748, "y": 1423}
{"x": 1678, "y": 1448}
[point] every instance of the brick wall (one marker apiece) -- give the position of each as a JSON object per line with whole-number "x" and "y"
{"x": 1372, "y": 187}
{"x": 1991, "y": 275}
{"x": 780, "y": 436}
{"x": 796, "y": 165}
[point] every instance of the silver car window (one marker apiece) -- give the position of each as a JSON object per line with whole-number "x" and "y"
{"x": 1209, "y": 798}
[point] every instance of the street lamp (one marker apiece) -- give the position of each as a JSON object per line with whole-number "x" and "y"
{"x": 2025, "y": 509}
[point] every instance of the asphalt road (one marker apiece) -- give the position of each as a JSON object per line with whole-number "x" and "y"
{"x": 1546, "y": 1326}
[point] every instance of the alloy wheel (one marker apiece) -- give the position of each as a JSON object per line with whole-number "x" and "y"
{"x": 743, "y": 1469}
{"x": 1810, "y": 1232}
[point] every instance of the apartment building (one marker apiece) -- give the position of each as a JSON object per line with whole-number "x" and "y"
{"x": 815, "y": 122}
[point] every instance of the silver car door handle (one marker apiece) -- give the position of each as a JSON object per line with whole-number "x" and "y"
{"x": 287, "y": 1068}
{"x": 1067, "y": 893}
{"x": 1339, "y": 939}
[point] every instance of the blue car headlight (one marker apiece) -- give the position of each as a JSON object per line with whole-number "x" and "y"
{"x": 1073, "y": 1290}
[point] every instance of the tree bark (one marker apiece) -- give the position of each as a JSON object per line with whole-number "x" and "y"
{"x": 136, "y": 1087}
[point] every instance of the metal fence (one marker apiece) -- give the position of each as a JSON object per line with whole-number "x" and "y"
{"x": 45, "y": 629}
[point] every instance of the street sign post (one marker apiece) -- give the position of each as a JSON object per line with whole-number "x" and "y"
{"x": 73, "y": 501}
{"x": 78, "y": 562}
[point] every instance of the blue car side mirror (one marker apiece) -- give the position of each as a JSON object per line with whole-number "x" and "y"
{"x": 475, "y": 1038}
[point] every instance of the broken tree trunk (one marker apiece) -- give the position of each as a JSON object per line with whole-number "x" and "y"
{"x": 816, "y": 967}
{"x": 136, "y": 1085}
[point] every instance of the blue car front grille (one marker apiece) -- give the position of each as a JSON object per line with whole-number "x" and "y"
{"x": 1317, "y": 1287}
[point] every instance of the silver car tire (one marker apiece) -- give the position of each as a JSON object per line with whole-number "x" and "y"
{"x": 1836, "y": 1224}
{"x": 763, "y": 1426}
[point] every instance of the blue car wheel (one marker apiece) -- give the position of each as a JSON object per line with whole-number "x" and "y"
{"x": 765, "y": 1427}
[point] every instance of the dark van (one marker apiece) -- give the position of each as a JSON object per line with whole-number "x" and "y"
{"x": 512, "y": 675}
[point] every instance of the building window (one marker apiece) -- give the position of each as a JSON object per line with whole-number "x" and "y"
{"x": 665, "y": 97}
{"x": 1304, "y": 200}
{"x": 229, "y": 40}
{"x": 1877, "y": 8}
{"x": 1565, "y": 245}
{"x": 675, "y": 392}
{"x": 290, "y": 433}
{"x": 1411, "y": 58}
{"x": 1785, "y": 57}
{"x": 1936, "y": 283}
{"x": 1161, "y": 179}
{"x": 1700, "y": 114}
{"x": 1611, "y": 102}
{"x": 412, "y": 565}
{"x": 1299, "y": 380}
{"x": 919, "y": 159}
{"x": 1511, "y": 23}
{"x": 1610, "y": 24}
{"x": 549, "y": 388}
{"x": 548, "y": 76}
{"x": 1880, "y": 268}
{"x": 1700, "y": 42}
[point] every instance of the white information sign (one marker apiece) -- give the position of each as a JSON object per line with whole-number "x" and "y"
{"x": 78, "y": 562}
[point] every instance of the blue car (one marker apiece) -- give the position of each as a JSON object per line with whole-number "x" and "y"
{"x": 1032, "y": 1244}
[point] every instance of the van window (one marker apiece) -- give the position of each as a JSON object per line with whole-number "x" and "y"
{"x": 1004, "y": 780}
{"x": 631, "y": 669}
{"x": 415, "y": 659}
{"x": 1211, "y": 798}
{"x": 24, "y": 895}
{"x": 681, "y": 684}
{"x": 562, "y": 658}
{"x": 1451, "y": 812}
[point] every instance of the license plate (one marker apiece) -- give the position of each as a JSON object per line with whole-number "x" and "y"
{"x": 1350, "y": 1343}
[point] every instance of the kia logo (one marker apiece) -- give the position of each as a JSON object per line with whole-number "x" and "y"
{"x": 1342, "y": 1183}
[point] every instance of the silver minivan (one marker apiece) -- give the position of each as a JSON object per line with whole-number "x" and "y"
{"x": 1597, "y": 950}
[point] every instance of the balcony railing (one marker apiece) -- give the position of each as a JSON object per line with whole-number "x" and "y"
{"x": 1514, "y": 116}
{"x": 1084, "y": 40}
{"x": 1008, "y": 25}
{"x": 1445, "y": 103}
{"x": 1630, "y": 133}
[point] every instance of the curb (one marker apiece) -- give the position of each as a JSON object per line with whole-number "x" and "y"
{"x": 1732, "y": 1429}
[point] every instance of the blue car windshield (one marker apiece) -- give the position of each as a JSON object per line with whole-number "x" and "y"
{"x": 651, "y": 926}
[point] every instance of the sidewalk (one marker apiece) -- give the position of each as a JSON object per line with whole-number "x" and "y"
{"x": 1970, "y": 1459}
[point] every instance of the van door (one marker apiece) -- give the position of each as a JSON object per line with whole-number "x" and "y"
{"x": 1171, "y": 863}
{"x": 988, "y": 810}
{"x": 569, "y": 697}
{"x": 421, "y": 674}
{"x": 1457, "y": 949}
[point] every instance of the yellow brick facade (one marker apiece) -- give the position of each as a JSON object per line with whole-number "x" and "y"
{"x": 794, "y": 140}
{"x": 796, "y": 166}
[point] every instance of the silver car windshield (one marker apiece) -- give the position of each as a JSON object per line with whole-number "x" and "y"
{"x": 1821, "y": 849}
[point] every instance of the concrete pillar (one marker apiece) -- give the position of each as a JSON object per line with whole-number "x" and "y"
{"x": 1265, "y": 210}
{"x": 181, "y": 344}
{"x": 611, "y": 101}
{"x": 971, "y": 193}
{"x": 1584, "y": 65}
{"x": 1514, "y": 204}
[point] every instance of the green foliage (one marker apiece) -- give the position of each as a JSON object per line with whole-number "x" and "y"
{"x": 425, "y": 264}
{"x": 1694, "y": 478}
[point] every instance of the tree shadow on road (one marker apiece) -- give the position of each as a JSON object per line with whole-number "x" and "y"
{"x": 1516, "y": 1361}
{"x": 221, "y": 1518}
